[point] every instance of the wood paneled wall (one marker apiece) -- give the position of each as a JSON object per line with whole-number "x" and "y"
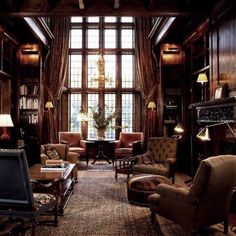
{"x": 223, "y": 51}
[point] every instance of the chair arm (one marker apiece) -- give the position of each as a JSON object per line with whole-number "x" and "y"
{"x": 179, "y": 194}
{"x": 117, "y": 143}
{"x": 72, "y": 157}
{"x": 64, "y": 142}
{"x": 82, "y": 143}
{"x": 43, "y": 158}
{"x": 137, "y": 147}
{"x": 171, "y": 160}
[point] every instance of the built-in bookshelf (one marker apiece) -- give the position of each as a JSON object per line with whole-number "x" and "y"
{"x": 29, "y": 72}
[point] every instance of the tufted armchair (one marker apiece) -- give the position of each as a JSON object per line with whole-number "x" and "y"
{"x": 205, "y": 202}
{"x": 159, "y": 158}
{"x": 75, "y": 141}
{"x": 61, "y": 151}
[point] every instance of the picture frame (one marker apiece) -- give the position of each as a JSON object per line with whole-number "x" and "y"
{"x": 219, "y": 92}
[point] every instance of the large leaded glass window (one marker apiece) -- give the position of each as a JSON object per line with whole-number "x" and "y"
{"x": 112, "y": 39}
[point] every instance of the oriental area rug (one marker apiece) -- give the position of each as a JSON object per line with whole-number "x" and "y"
{"x": 99, "y": 207}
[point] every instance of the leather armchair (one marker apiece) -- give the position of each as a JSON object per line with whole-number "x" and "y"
{"x": 159, "y": 158}
{"x": 63, "y": 152}
{"x": 128, "y": 144}
{"x": 205, "y": 202}
{"x": 75, "y": 141}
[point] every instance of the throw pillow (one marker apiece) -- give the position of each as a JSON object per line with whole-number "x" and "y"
{"x": 52, "y": 153}
{"x": 147, "y": 158}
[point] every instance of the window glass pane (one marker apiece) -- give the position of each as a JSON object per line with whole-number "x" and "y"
{"x": 127, "y": 112}
{"x": 92, "y": 71}
{"x": 93, "y": 19}
{"x": 76, "y": 19}
{"x": 76, "y": 38}
{"x": 109, "y": 19}
{"x": 93, "y": 38}
{"x": 75, "y": 71}
{"x": 127, "y": 71}
{"x": 110, "y": 38}
{"x": 126, "y": 38}
{"x": 110, "y": 71}
{"x": 92, "y": 99}
{"x": 110, "y": 101}
{"x": 126, "y": 19}
{"x": 75, "y": 124}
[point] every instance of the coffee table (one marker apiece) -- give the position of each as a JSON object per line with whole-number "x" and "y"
{"x": 61, "y": 183}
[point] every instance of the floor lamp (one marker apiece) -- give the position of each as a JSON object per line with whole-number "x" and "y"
{"x": 48, "y": 106}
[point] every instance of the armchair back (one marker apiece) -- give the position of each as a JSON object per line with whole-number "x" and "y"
{"x": 72, "y": 138}
{"x": 162, "y": 148}
{"x": 127, "y": 139}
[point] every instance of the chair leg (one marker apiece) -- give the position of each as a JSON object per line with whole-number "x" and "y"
{"x": 226, "y": 225}
{"x": 153, "y": 216}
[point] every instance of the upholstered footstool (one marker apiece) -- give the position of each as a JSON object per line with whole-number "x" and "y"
{"x": 139, "y": 187}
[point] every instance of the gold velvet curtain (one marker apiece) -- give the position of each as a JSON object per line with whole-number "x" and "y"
{"x": 54, "y": 79}
{"x": 146, "y": 74}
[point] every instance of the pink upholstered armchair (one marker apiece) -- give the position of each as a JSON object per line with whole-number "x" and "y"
{"x": 129, "y": 144}
{"x": 75, "y": 142}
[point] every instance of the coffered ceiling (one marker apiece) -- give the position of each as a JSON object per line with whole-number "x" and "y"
{"x": 106, "y": 7}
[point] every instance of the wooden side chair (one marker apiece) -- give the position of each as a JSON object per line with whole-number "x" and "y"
{"x": 17, "y": 200}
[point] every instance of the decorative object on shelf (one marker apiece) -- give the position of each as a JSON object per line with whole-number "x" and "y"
{"x": 5, "y": 122}
{"x": 101, "y": 78}
{"x": 152, "y": 105}
{"x": 219, "y": 91}
{"x": 202, "y": 78}
{"x": 179, "y": 128}
{"x": 204, "y": 134}
{"x": 101, "y": 121}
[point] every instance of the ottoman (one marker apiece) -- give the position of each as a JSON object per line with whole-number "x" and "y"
{"x": 140, "y": 186}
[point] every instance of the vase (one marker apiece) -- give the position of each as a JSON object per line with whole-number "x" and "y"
{"x": 100, "y": 134}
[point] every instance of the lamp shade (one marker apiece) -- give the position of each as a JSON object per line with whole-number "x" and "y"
{"x": 48, "y": 104}
{"x": 5, "y": 120}
{"x": 202, "y": 78}
{"x": 204, "y": 134}
{"x": 178, "y": 128}
{"x": 151, "y": 105}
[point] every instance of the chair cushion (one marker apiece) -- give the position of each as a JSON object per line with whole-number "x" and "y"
{"x": 123, "y": 152}
{"x": 52, "y": 153}
{"x": 79, "y": 150}
{"x": 157, "y": 169}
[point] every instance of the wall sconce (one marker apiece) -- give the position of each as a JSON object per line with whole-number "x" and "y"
{"x": 48, "y": 105}
{"x": 204, "y": 134}
{"x": 151, "y": 105}
{"x": 179, "y": 128}
{"x": 202, "y": 78}
{"x": 5, "y": 122}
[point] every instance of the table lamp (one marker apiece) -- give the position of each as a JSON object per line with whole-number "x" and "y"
{"x": 5, "y": 122}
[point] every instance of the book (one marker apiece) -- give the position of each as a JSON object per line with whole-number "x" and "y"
{"x": 53, "y": 167}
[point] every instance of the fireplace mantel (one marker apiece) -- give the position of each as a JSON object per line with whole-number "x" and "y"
{"x": 218, "y": 110}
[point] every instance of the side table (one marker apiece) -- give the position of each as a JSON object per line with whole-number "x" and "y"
{"x": 102, "y": 146}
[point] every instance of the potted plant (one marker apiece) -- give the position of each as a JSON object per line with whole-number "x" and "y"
{"x": 102, "y": 120}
